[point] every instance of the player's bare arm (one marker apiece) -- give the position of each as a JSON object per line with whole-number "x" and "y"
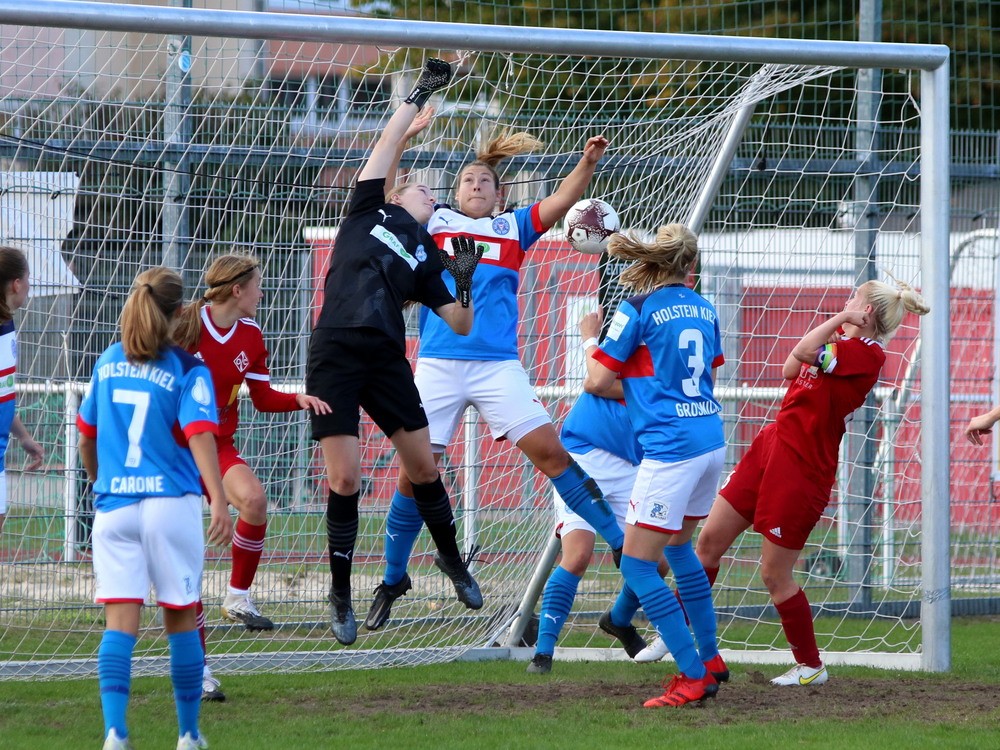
{"x": 420, "y": 122}
{"x": 590, "y": 331}
{"x": 220, "y": 527}
{"x": 461, "y": 266}
{"x": 435, "y": 76}
{"x": 458, "y": 318}
{"x": 981, "y": 425}
{"x": 28, "y": 443}
{"x": 804, "y": 352}
{"x": 87, "y": 447}
{"x": 573, "y": 185}
{"x": 599, "y": 378}
{"x": 313, "y": 404}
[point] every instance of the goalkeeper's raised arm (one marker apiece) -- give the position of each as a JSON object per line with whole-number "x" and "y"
{"x": 384, "y": 258}
{"x": 385, "y": 155}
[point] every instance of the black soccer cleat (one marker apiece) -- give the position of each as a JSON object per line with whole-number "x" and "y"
{"x": 385, "y": 595}
{"x": 540, "y": 664}
{"x": 342, "y": 622}
{"x": 466, "y": 589}
{"x": 628, "y": 635}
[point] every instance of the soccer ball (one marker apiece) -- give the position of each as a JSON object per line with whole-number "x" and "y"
{"x": 589, "y": 224}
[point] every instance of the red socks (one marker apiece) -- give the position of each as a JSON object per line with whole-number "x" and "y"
{"x": 797, "y": 622}
{"x": 248, "y": 545}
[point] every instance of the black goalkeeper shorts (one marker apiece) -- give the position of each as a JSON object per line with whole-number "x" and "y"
{"x": 361, "y": 368}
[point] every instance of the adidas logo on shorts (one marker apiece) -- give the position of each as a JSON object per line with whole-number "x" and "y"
{"x": 776, "y": 531}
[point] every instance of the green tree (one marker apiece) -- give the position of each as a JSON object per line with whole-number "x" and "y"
{"x": 971, "y": 29}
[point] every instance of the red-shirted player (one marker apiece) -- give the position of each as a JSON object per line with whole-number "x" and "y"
{"x": 783, "y": 482}
{"x": 220, "y": 330}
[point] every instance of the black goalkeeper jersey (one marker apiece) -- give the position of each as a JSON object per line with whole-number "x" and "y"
{"x": 382, "y": 258}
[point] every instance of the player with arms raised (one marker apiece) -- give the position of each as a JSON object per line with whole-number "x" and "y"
{"x": 147, "y": 441}
{"x": 483, "y": 369}
{"x": 357, "y": 354}
{"x": 783, "y": 482}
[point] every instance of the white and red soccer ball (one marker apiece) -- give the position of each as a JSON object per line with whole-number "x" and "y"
{"x": 589, "y": 224}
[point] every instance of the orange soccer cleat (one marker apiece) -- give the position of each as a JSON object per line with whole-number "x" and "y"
{"x": 682, "y": 689}
{"x": 718, "y": 668}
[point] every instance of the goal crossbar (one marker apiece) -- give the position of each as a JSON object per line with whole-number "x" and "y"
{"x": 458, "y": 36}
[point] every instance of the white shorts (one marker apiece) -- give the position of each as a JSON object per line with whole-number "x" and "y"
{"x": 613, "y": 474}
{"x": 499, "y": 391}
{"x": 667, "y": 493}
{"x": 3, "y": 493}
{"x": 158, "y": 540}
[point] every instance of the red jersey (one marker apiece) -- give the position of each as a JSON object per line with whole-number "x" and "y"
{"x": 234, "y": 356}
{"x": 814, "y": 412}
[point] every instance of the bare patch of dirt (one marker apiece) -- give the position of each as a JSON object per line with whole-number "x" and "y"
{"x": 747, "y": 697}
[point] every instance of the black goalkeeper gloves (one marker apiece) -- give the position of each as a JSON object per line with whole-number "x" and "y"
{"x": 462, "y": 265}
{"x": 434, "y": 76}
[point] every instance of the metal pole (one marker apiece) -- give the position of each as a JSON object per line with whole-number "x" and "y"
{"x": 71, "y": 505}
{"x": 260, "y": 47}
{"x": 896, "y": 405}
{"x": 935, "y": 490}
{"x": 720, "y": 166}
{"x": 857, "y": 503}
{"x": 532, "y": 592}
{"x": 385, "y": 32}
{"x": 470, "y": 482}
{"x": 175, "y": 232}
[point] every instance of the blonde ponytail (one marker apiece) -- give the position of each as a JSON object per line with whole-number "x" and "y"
{"x": 668, "y": 258}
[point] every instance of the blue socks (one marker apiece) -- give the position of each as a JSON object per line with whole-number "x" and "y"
{"x": 696, "y": 595}
{"x": 114, "y": 677}
{"x": 664, "y": 612}
{"x": 402, "y": 527}
{"x": 557, "y": 601}
{"x": 187, "y": 661}
{"x": 625, "y": 607}
{"x": 582, "y": 495}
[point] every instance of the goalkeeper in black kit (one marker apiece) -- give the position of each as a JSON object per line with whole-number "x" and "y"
{"x": 383, "y": 258}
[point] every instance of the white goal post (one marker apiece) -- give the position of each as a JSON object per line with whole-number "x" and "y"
{"x": 192, "y": 137}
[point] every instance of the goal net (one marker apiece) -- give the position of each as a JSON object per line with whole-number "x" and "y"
{"x": 131, "y": 149}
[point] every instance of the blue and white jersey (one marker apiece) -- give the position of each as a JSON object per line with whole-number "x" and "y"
{"x": 8, "y": 399}
{"x": 141, "y": 416}
{"x": 506, "y": 237}
{"x": 596, "y": 422}
{"x": 664, "y": 346}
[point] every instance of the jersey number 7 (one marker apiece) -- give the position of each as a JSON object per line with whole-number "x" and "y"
{"x": 139, "y": 400}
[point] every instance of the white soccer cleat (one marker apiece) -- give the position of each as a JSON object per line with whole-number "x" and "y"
{"x": 240, "y": 608}
{"x": 802, "y": 675}
{"x": 187, "y": 742}
{"x": 114, "y": 742}
{"x": 653, "y": 652}
{"x": 211, "y": 688}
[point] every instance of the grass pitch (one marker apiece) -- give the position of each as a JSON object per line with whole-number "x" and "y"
{"x": 498, "y": 705}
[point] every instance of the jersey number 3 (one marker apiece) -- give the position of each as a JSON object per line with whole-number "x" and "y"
{"x": 140, "y": 401}
{"x": 692, "y": 343}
